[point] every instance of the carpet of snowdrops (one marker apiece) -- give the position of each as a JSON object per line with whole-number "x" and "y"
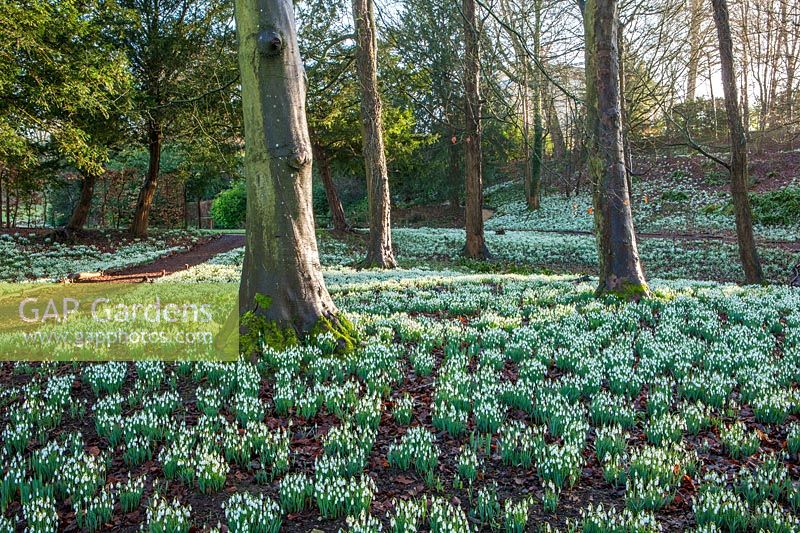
{"x": 475, "y": 402}
{"x": 24, "y": 258}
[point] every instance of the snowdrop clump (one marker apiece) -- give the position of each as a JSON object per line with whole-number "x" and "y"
{"x": 168, "y": 516}
{"x": 247, "y": 513}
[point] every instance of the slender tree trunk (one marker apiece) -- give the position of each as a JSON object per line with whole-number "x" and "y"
{"x": 199, "y": 213}
{"x": 744, "y": 38}
{"x": 537, "y": 158}
{"x": 282, "y": 281}
{"x": 790, "y": 54}
{"x": 455, "y": 171}
{"x": 713, "y": 98}
{"x": 44, "y": 208}
{"x": 695, "y": 20}
{"x": 16, "y": 210}
{"x": 139, "y": 224}
{"x": 620, "y": 268}
{"x": 8, "y": 203}
{"x": 556, "y": 133}
{"x": 334, "y": 203}
{"x": 476, "y": 243}
{"x": 526, "y": 134}
{"x": 738, "y": 164}
{"x": 80, "y": 214}
{"x": 379, "y": 247}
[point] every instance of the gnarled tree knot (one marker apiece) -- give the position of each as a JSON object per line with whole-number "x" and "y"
{"x": 270, "y": 43}
{"x": 299, "y": 157}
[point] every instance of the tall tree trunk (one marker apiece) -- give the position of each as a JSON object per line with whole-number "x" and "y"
{"x": 620, "y": 268}
{"x": 537, "y": 158}
{"x": 199, "y": 212}
{"x": 695, "y": 49}
{"x": 379, "y": 247}
{"x": 738, "y": 164}
{"x": 334, "y": 203}
{"x": 746, "y": 47}
{"x": 476, "y": 243}
{"x": 526, "y": 134}
{"x": 623, "y": 105}
{"x": 713, "y": 97}
{"x": 8, "y": 203}
{"x": 554, "y": 128}
{"x": 139, "y": 223}
{"x": 790, "y": 54}
{"x": 80, "y": 214}
{"x": 282, "y": 281}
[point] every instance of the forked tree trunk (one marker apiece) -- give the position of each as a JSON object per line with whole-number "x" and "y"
{"x": 334, "y": 203}
{"x": 620, "y": 268}
{"x": 81, "y": 212}
{"x": 139, "y": 224}
{"x": 379, "y": 247}
{"x": 476, "y": 244}
{"x": 738, "y": 165}
{"x": 281, "y": 276}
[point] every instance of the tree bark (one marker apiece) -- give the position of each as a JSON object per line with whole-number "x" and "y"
{"x": 199, "y": 212}
{"x": 556, "y": 133}
{"x": 281, "y": 275}
{"x": 139, "y": 224}
{"x": 455, "y": 171}
{"x": 626, "y": 141}
{"x": 738, "y": 165}
{"x": 379, "y": 247}
{"x": 526, "y": 137}
{"x": 81, "y": 212}
{"x": 8, "y": 202}
{"x": 695, "y": 20}
{"x": 537, "y": 157}
{"x": 334, "y": 203}
{"x": 620, "y": 268}
{"x": 476, "y": 244}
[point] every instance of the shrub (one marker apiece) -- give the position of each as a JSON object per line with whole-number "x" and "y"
{"x": 228, "y": 208}
{"x": 674, "y": 196}
{"x": 780, "y": 207}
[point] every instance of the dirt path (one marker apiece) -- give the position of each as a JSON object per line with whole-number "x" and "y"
{"x": 174, "y": 262}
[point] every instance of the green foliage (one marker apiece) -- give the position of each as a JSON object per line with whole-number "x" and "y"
{"x": 229, "y": 207}
{"x": 780, "y": 207}
{"x": 61, "y": 76}
{"x": 674, "y": 196}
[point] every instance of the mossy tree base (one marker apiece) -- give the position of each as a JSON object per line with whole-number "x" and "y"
{"x": 623, "y": 289}
{"x": 379, "y": 261}
{"x": 257, "y": 332}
